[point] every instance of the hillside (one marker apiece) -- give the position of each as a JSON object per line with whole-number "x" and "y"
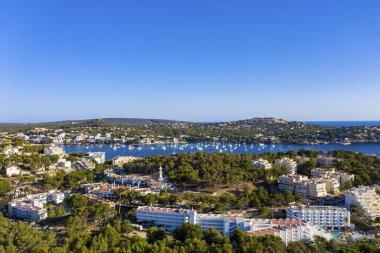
{"x": 104, "y": 122}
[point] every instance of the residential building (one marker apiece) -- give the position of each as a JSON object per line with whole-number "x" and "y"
{"x": 12, "y": 171}
{"x": 64, "y": 163}
{"x": 84, "y": 163}
{"x": 25, "y": 211}
{"x": 328, "y": 217}
{"x": 365, "y": 197}
{"x": 325, "y": 161}
{"x": 57, "y": 139}
{"x": 120, "y": 160}
{"x": 341, "y": 177}
{"x": 99, "y": 157}
{"x": 316, "y": 188}
{"x": 11, "y": 151}
{"x": 287, "y": 163}
{"x": 287, "y": 182}
{"x": 53, "y": 150}
{"x": 288, "y": 230}
{"x": 302, "y": 159}
{"x": 301, "y": 188}
{"x": 32, "y": 207}
{"x": 105, "y": 191}
{"x": 261, "y": 164}
{"x": 302, "y": 185}
{"x": 332, "y": 184}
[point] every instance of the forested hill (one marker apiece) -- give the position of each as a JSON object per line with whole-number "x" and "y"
{"x": 104, "y": 122}
{"x": 254, "y": 122}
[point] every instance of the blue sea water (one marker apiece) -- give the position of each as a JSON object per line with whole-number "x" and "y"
{"x": 345, "y": 123}
{"x": 111, "y": 152}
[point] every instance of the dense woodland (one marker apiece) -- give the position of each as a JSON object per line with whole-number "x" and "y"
{"x": 219, "y": 169}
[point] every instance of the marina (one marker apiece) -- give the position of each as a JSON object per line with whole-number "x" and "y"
{"x": 233, "y": 148}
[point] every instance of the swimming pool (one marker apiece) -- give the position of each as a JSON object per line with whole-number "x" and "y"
{"x": 336, "y": 235}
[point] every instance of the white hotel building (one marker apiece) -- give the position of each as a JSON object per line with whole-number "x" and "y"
{"x": 288, "y": 230}
{"x": 168, "y": 218}
{"x": 328, "y": 217}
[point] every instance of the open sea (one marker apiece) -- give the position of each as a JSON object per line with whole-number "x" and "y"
{"x": 345, "y": 123}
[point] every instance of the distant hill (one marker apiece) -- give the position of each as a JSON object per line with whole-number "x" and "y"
{"x": 140, "y": 121}
{"x": 104, "y": 122}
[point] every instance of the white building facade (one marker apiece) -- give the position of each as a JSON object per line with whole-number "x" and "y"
{"x": 32, "y": 207}
{"x": 287, "y": 163}
{"x": 288, "y": 230}
{"x": 327, "y": 217}
{"x": 261, "y": 164}
{"x": 365, "y": 197}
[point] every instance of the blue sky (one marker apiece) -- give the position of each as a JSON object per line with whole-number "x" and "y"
{"x": 199, "y": 60}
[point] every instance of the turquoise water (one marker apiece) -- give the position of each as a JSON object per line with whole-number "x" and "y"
{"x": 111, "y": 152}
{"x": 336, "y": 235}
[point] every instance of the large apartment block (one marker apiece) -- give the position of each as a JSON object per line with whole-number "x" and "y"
{"x": 32, "y": 207}
{"x": 340, "y": 177}
{"x": 288, "y": 230}
{"x": 302, "y": 185}
{"x": 322, "y": 181}
{"x": 366, "y": 197}
{"x": 287, "y": 163}
{"x": 328, "y": 217}
{"x": 261, "y": 164}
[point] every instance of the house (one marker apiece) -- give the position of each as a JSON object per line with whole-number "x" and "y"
{"x": 12, "y": 171}
{"x": 53, "y": 150}
{"x": 84, "y": 163}
{"x": 99, "y": 157}
{"x": 261, "y": 164}
{"x": 120, "y": 160}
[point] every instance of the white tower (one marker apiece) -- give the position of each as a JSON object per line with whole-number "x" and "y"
{"x": 160, "y": 177}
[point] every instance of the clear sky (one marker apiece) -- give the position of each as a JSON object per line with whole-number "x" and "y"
{"x": 198, "y": 60}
